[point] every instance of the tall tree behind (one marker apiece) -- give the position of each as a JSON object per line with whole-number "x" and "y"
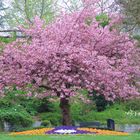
{"x": 105, "y": 6}
{"x": 2, "y": 8}
{"x": 131, "y": 10}
{"x": 22, "y": 11}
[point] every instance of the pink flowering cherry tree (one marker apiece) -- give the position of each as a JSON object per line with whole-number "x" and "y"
{"x": 74, "y": 52}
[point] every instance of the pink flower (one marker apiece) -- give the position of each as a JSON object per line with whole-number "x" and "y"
{"x": 68, "y": 55}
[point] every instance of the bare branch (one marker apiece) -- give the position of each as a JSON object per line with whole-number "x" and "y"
{"x": 26, "y": 11}
{"x": 42, "y": 8}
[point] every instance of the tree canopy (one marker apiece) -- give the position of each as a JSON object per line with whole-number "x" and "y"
{"x": 131, "y": 10}
{"x": 2, "y": 8}
{"x": 74, "y": 52}
{"x": 22, "y": 11}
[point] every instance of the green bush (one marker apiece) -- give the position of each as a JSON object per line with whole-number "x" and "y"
{"x": 53, "y": 117}
{"x": 132, "y": 105}
{"x": 1, "y": 126}
{"x": 137, "y": 37}
{"x": 46, "y": 123}
{"x": 28, "y": 128}
{"x": 35, "y": 106}
{"x": 100, "y": 102}
{"x": 8, "y": 40}
{"x": 16, "y": 116}
{"x": 31, "y": 105}
{"x": 80, "y": 110}
{"x": 117, "y": 112}
{"x": 5, "y": 103}
{"x": 46, "y": 106}
{"x": 103, "y": 19}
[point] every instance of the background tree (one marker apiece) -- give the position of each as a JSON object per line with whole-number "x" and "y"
{"x": 70, "y": 5}
{"x": 21, "y": 11}
{"x": 104, "y": 6}
{"x": 2, "y": 8}
{"x": 131, "y": 10}
{"x": 131, "y": 23}
{"x": 74, "y": 53}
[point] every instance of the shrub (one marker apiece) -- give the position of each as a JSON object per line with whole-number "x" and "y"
{"x": 31, "y": 105}
{"x": 100, "y": 101}
{"x": 29, "y": 128}
{"x": 133, "y": 105}
{"x": 5, "y": 103}
{"x": 46, "y": 123}
{"x": 16, "y": 116}
{"x": 53, "y": 117}
{"x": 8, "y": 40}
{"x": 45, "y": 106}
{"x": 34, "y": 105}
{"x": 103, "y": 19}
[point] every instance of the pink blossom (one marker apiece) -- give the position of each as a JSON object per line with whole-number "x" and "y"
{"x": 69, "y": 55}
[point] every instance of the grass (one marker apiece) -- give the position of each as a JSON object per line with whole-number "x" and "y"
{"x": 8, "y": 40}
{"x": 117, "y": 112}
{"x": 131, "y": 137}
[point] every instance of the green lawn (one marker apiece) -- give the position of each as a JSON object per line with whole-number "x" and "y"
{"x": 131, "y": 137}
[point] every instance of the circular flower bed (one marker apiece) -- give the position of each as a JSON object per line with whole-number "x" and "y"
{"x": 62, "y": 130}
{"x": 68, "y": 130}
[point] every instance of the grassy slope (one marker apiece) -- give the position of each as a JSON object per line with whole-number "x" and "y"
{"x": 116, "y": 112}
{"x": 132, "y": 137}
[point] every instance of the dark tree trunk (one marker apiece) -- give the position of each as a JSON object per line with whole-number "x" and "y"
{"x": 65, "y": 108}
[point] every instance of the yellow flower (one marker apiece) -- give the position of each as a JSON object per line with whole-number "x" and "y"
{"x": 43, "y": 130}
{"x": 103, "y": 132}
{"x": 32, "y": 132}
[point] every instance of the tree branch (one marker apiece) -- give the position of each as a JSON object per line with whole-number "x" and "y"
{"x": 42, "y": 8}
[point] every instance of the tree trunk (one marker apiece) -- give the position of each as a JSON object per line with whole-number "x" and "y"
{"x": 65, "y": 108}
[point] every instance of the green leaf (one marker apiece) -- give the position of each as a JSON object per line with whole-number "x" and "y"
{"x": 103, "y": 19}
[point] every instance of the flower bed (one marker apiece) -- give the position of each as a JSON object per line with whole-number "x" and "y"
{"x": 62, "y": 130}
{"x": 68, "y": 130}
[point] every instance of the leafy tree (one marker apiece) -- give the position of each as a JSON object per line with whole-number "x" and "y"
{"x": 2, "y": 8}
{"x": 70, "y": 55}
{"x": 131, "y": 10}
{"x": 100, "y": 101}
{"x": 131, "y": 23}
{"x": 70, "y": 5}
{"x": 22, "y": 11}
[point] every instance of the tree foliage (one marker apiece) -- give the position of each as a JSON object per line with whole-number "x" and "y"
{"x": 2, "y": 8}
{"x": 131, "y": 10}
{"x": 22, "y": 11}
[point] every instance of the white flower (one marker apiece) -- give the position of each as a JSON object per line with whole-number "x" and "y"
{"x": 65, "y": 131}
